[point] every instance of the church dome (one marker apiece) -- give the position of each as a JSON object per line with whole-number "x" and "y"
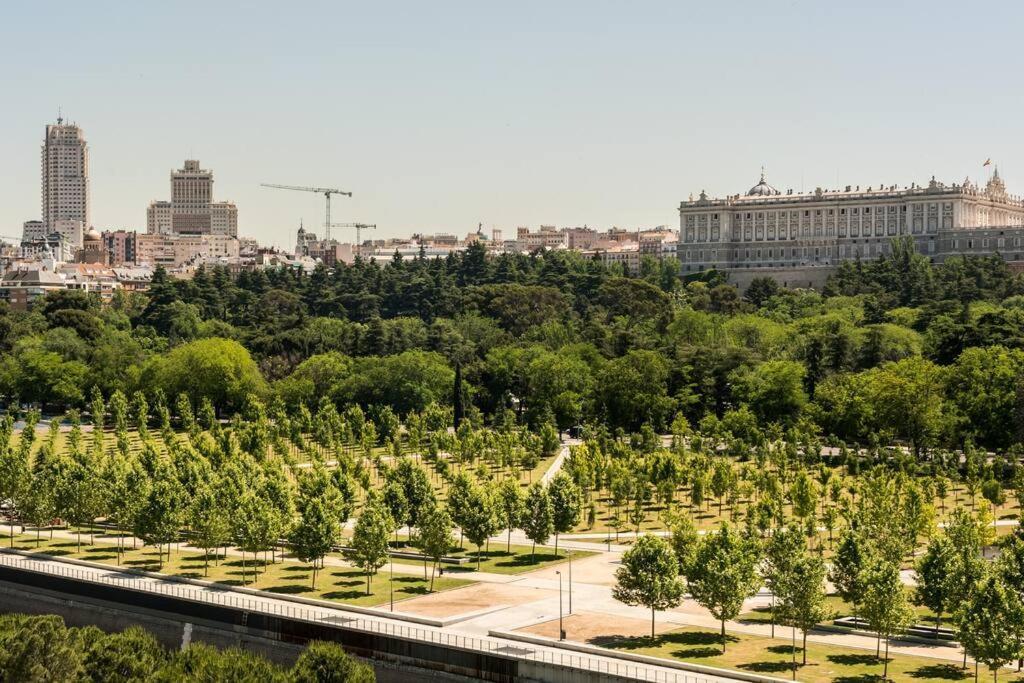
{"x": 93, "y": 235}
{"x": 762, "y": 189}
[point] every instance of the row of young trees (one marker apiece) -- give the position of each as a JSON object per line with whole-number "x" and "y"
{"x": 42, "y": 648}
{"x": 216, "y": 484}
{"x": 724, "y": 568}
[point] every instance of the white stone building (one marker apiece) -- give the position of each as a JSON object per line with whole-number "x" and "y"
{"x": 766, "y": 228}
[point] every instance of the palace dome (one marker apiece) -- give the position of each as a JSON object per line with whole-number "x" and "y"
{"x": 762, "y": 189}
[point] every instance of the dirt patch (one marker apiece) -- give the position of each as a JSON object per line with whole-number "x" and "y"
{"x": 598, "y": 570}
{"x": 473, "y": 598}
{"x": 593, "y": 628}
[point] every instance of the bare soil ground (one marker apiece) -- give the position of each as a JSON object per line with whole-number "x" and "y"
{"x": 473, "y": 598}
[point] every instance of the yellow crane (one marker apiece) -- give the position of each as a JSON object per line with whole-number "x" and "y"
{"x": 359, "y": 232}
{"x": 325, "y": 191}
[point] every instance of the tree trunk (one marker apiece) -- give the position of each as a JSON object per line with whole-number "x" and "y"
{"x": 367, "y": 583}
{"x": 723, "y": 636}
{"x": 652, "y": 623}
{"x": 508, "y": 544}
{"x": 805, "y": 648}
{"x": 885, "y": 664}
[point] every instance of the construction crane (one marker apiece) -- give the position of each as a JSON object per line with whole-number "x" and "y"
{"x": 325, "y": 191}
{"x": 359, "y": 232}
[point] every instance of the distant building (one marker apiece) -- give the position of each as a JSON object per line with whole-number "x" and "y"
{"x": 174, "y": 251}
{"x": 20, "y": 288}
{"x": 65, "y": 176}
{"x": 32, "y": 230}
{"x": 120, "y": 247}
{"x": 191, "y": 209}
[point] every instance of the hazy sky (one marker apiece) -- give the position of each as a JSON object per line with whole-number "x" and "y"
{"x": 439, "y": 115}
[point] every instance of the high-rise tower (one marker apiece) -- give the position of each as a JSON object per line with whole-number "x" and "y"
{"x": 65, "y": 176}
{"x": 191, "y": 210}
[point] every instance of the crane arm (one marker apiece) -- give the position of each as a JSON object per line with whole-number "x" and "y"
{"x": 318, "y": 190}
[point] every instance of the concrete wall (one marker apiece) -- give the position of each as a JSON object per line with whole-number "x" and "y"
{"x": 171, "y": 630}
{"x": 811, "y": 277}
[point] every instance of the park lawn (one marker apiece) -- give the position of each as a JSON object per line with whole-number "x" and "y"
{"x": 773, "y": 657}
{"x": 342, "y": 584}
{"x": 518, "y": 560}
{"x": 841, "y": 608}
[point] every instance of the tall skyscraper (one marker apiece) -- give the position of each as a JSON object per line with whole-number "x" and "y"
{"x": 65, "y": 175}
{"x": 191, "y": 210}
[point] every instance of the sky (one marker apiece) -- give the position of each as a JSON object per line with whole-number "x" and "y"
{"x": 439, "y": 116}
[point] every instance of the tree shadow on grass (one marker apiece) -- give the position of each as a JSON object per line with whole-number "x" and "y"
{"x": 767, "y": 667}
{"x": 345, "y": 595}
{"x": 696, "y": 643}
{"x": 946, "y": 672}
{"x": 289, "y": 589}
{"x": 855, "y": 660}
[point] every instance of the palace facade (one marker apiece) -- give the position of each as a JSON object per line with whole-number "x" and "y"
{"x": 792, "y": 234}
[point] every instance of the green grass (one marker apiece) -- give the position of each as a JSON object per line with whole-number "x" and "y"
{"x": 342, "y": 584}
{"x": 518, "y": 559}
{"x": 773, "y": 657}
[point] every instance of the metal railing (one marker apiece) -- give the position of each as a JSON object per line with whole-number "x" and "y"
{"x": 225, "y": 597}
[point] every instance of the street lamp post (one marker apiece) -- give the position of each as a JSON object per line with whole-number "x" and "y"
{"x": 561, "y": 631}
{"x": 569, "y": 553}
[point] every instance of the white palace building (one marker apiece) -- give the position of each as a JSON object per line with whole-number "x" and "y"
{"x": 798, "y": 238}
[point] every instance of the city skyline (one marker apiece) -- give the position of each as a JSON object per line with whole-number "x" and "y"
{"x": 437, "y": 119}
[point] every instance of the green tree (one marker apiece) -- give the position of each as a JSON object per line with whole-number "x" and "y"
{"x": 886, "y": 606}
{"x": 566, "y": 504}
{"x": 220, "y": 370}
{"x": 538, "y": 522}
{"x": 723, "y": 575}
{"x": 685, "y": 540}
{"x": 480, "y": 519}
{"x": 370, "y": 539}
{"x": 803, "y": 602}
{"x": 435, "y": 539}
{"x": 323, "y": 662}
{"x": 163, "y": 514}
{"x": 933, "y": 571}
{"x": 125, "y": 657}
{"x": 315, "y": 534}
{"x": 209, "y": 523}
{"x": 991, "y": 625}
{"x": 511, "y": 504}
{"x": 649, "y": 576}
{"x": 847, "y": 572}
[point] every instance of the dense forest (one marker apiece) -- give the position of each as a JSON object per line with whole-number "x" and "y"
{"x": 896, "y": 349}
